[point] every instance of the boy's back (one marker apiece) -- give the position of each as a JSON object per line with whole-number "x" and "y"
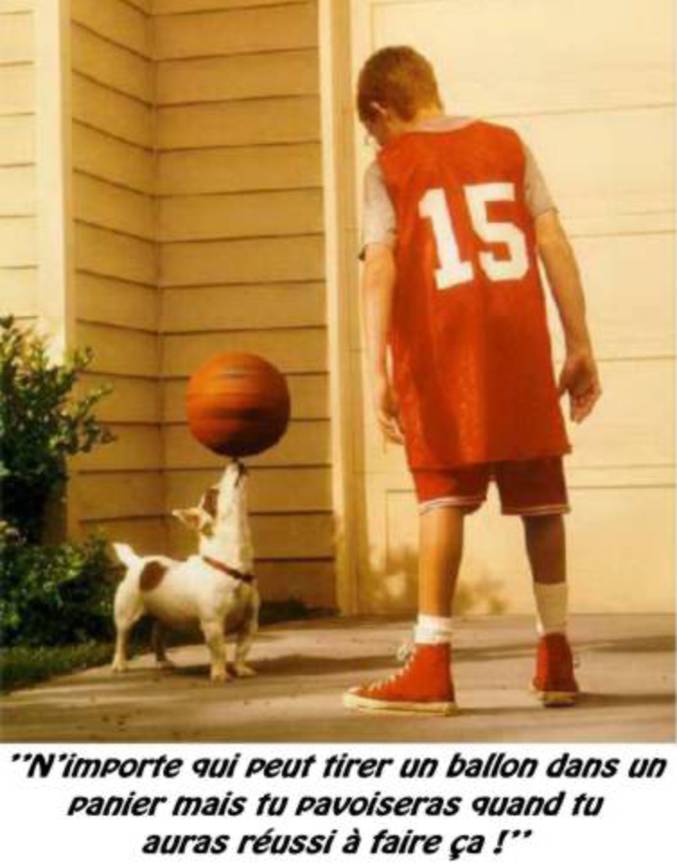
{"x": 471, "y": 351}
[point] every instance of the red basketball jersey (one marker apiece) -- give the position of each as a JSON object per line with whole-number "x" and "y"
{"x": 471, "y": 351}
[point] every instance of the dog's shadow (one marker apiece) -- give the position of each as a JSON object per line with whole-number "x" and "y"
{"x": 293, "y": 665}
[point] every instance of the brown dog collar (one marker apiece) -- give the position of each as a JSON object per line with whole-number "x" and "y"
{"x": 230, "y": 571}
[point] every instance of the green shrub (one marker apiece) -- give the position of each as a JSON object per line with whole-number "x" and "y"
{"x": 23, "y": 665}
{"x": 53, "y": 595}
{"x": 41, "y": 423}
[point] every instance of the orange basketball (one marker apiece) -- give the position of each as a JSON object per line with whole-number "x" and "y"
{"x": 237, "y": 404}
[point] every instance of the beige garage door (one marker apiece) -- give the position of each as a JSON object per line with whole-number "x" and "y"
{"x": 588, "y": 85}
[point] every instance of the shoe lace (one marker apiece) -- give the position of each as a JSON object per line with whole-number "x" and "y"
{"x": 404, "y": 654}
{"x": 404, "y": 650}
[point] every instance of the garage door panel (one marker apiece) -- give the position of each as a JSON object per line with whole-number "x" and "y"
{"x": 494, "y": 576}
{"x": 527, "y": 56}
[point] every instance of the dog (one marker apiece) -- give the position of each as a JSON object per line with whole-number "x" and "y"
{"x": 215, "y": 588}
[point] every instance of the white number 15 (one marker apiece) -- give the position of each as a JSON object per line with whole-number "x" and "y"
{"x": 452, "y": 271}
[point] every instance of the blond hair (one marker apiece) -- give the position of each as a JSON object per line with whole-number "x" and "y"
{"x": 399, "y": 78}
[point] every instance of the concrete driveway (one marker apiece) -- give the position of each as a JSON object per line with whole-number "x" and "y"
{"x": 626, "y": 668}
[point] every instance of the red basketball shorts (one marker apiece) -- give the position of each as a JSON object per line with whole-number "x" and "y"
{"x": 526, "y": 488}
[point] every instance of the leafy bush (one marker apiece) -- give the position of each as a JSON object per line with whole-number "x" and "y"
{"x": 53, "y": 595}
{"x": 23, "y": 665}
{"x": 41, "y": 423}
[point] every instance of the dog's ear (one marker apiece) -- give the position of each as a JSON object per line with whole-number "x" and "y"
{"x": 193, "y": 517}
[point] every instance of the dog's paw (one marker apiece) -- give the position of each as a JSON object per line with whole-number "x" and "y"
{"x": 244, "y": 671}
{"x": 219, "y": 676}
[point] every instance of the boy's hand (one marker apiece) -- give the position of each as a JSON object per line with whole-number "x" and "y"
{"x": 387, "y": 409}
{"x": 579, "y": 379}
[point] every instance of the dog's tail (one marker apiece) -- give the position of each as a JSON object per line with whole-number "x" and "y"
{"x": 125, "y": 553}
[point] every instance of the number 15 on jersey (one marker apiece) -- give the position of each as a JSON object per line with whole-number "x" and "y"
{"x": 452, "y": 270}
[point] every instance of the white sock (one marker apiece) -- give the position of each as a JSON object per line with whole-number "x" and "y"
{"x": 432, "y": 630}
{"x": 551, "y": 607}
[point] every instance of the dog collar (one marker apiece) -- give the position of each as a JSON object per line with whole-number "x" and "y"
{"x": 231, "y": 571}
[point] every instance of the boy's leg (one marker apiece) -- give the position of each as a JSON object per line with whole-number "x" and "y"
{"x": 554, "y": 680}
{"x": 440, "y": 550}
{"x": 445, "y": 498}
{"x": 536, "y": 490}
{"x": 546, "y": 548}
{"x": 425, "y": 683}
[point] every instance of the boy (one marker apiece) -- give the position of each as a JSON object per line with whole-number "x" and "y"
{"x": 455, "y": 213}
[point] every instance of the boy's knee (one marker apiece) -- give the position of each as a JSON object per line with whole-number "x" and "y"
{"x": 542, "y": 525}
{"x": 541, "y": 518}
{"x": 455, "y": 510}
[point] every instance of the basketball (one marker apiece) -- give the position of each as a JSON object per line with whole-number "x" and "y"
{"x": 237, "y": 404}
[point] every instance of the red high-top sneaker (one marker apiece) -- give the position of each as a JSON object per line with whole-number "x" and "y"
{"x": 554, "y": 681}
{"x": 423, "y": 685}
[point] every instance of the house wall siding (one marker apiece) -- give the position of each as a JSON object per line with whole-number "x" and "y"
{"x": 242, "y": 260}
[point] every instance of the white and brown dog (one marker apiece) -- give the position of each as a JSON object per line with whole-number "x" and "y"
{"x": 215, "y": 588}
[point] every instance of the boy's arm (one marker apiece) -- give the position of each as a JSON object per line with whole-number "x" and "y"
{"x": 579, "y": 376}
{"x": 378, "y": 283}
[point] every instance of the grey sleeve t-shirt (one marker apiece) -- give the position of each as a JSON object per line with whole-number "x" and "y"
{"x": 378, "y": 213}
